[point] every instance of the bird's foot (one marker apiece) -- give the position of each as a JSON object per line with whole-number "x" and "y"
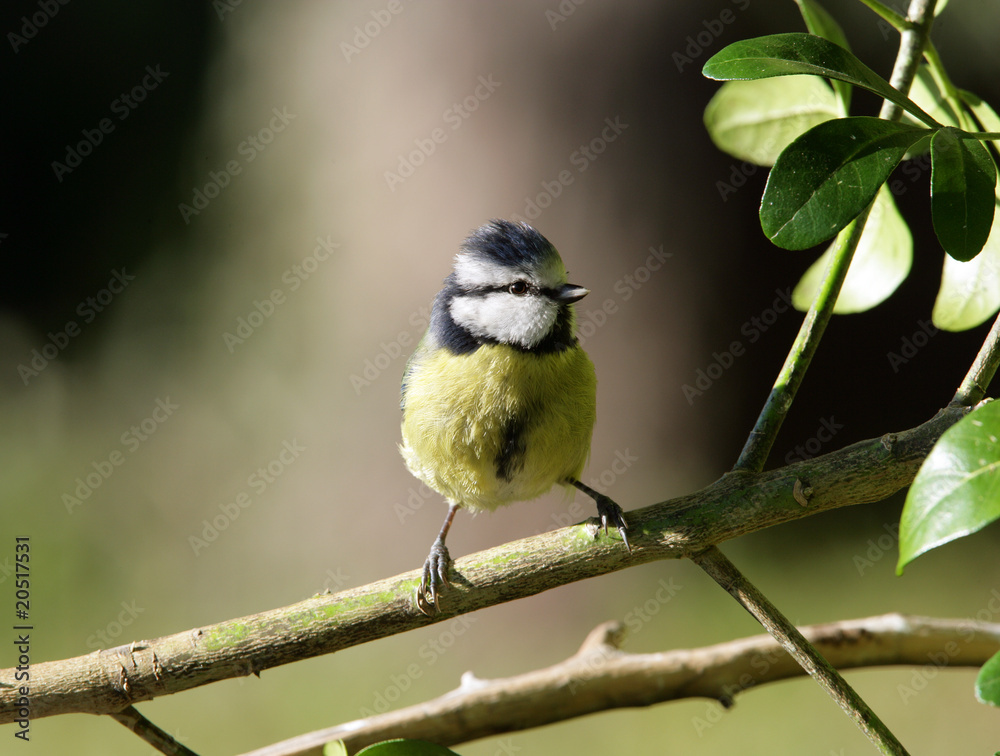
{"x": 435, "y": 577}
{"x": 609, "y": 513}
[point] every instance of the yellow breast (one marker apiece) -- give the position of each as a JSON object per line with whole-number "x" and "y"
{"x": 498, "y": 425}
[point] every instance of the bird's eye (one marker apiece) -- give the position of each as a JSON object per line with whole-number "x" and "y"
{"x": 519, "y": 288}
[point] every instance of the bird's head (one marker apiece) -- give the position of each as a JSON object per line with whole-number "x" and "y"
{"x": 509, "y": 287}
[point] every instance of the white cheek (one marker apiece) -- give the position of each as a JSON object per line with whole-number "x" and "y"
{"x": 524, "y": 321}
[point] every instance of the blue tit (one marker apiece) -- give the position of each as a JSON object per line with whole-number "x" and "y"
{"x": 499, "y": 398}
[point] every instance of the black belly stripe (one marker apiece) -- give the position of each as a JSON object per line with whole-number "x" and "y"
{"x": 510, "y": 460}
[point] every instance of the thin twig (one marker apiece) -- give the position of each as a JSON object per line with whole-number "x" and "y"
{"x": 725, "y": 574}
{"x": 977, "y": 380}
{"x": 779, "y": 401}
{"x": 161, "y": 740}
{"x": 601, "y": 676}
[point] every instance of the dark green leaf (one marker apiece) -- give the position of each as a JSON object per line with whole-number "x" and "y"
{"x": 963, "y": 181}
{"x": 988, "y": 682}
{"x": 880, "y": 264}
{"x": 957, "y": 489}
{"x": 822, "y": 24}
{"x": 405, "y": 747}
{"x": 827, "y": 176}
{"x": 797, "y": 53}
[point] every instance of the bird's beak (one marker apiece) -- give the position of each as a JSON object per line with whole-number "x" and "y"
{"x": 571, "y": 293}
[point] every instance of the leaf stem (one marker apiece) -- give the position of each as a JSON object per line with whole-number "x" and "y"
{"x": 725, "y": 573}
{"x": 886, "y": 14}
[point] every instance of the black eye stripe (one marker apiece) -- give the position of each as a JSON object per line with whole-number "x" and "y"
{"x": 532, "y": 289}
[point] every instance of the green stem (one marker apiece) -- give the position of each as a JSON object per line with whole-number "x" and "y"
{"x": 886, "y": 14}
{"x": 977, "y": 380}
{"x": 937, "y": 66}
{"x": 914, "y": 33}
{"x": 762, "y": 437}
{"x": 729, "y": 577}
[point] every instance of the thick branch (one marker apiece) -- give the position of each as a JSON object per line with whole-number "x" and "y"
{"x": 601, "y": 677}
{"x": 106, "y": 682}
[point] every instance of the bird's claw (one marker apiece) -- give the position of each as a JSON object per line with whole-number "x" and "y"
{"x": 435, "y": 575}
{"x": 610, "y": 514}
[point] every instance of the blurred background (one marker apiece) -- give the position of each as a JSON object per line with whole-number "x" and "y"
{"x": 222, "y": 227}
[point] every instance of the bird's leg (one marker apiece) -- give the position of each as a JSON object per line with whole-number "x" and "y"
{"x": 608, "y": 512}
{"x": 436, "y": 568}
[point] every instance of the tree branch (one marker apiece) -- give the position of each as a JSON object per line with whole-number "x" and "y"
{"x": 805, "y": 654}
{"x": 600, "y": 677}
{"x": 765, "y": 431}
{"x": 108, "y": 681}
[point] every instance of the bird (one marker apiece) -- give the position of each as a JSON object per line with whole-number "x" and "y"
{"x": 499, "y": 398}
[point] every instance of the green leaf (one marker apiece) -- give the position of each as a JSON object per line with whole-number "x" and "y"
{"x": 988, "y": 682}
{"x": 986, "y": 116}
{"x": 798, "y": 53}
{"x": 822, "y": 24}
{"x": 756, "y": 120}
{"x": 881, "y": 262}
{"x": 927, "y": 92}
{"x": 970, "y": 291}
{"x": 406, "y": 747}
{"x": 335, "y": 748}
{"x": 827, "y": 176}
{"x": 957, "y": 489}
{"x": 963, "y": 186}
